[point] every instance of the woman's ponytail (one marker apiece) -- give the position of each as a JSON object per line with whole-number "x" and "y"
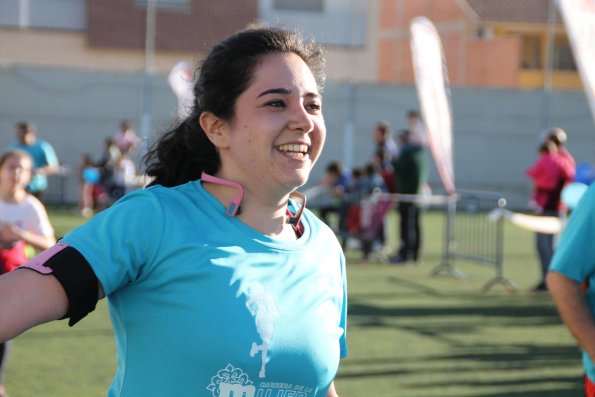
{"x": 182, "y": 154}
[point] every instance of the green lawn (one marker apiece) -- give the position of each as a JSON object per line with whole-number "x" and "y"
{"x": 410, "y": 334}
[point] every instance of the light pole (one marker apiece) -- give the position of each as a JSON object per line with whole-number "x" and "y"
{"x": 549, "y": 58}
{"x": 147, "y": 88}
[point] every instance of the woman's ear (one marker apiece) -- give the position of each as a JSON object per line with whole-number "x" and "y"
{"x": 215, "y": 128}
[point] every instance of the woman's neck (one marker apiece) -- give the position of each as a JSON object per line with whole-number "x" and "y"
{"x": 269, "y": 217}
{"x": 13, "y": 196}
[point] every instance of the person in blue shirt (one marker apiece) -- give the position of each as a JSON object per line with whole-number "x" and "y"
{"x": 45, "y": 161}
{"x": 219, "y": 281}
{"x": 571, "y": 282}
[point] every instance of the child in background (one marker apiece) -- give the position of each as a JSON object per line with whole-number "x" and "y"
{"x": 23, "y": 221}
{"x": 93, "y": 196}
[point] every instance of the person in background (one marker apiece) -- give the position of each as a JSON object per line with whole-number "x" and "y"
{"x": 550, "y": 173}
{"x": 416, "y": 126}
{"x": 559, "y": 137}
{"x": 126, "y": 139}
{"x": 384, "y": 142}
{"x": 410, "y": 175}
{"x": 93, "y": 196}
{"x": 571, "y": 282}
{"x": 386, "y": 172}
{"x": 45, "y": 161}
{"x": 23, "y": 221}
{"x": 123, "y": 178}
{"x": 107, "y": 162}
{"x": 338, "y": 182}
{"x": 219, "y": 281}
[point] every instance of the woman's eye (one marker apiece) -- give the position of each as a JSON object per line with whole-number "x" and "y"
{"x": 276, "y": 104}
{"x": 315, "y": 106}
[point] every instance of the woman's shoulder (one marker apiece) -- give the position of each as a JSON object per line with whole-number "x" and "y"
{"x": 161, "y": 198}
{"x": 164, "y": 192}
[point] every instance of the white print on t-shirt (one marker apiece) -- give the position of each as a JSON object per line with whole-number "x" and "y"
{"x": 263, "y": 308}
{"x": 233, "y": 382}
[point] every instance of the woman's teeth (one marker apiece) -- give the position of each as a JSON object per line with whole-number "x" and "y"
{"x": 294, "y": 150}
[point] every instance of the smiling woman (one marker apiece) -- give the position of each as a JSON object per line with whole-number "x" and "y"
{"x": 246, "y": 288}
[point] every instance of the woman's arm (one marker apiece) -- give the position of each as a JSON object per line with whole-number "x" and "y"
{"x": 572, "y": 306}
{"x": 27, "y": 299}
{"x": 10, "y": 233}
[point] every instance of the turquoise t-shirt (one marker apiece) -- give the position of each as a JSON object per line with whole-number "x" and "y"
{"x": 575, "y": 255}
{"x": 203, "y": 305}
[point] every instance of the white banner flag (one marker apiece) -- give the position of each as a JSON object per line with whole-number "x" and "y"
{"x": 181, "y": 82}
{"x": 433, "y": 93}
{"x": 579, "y": 19}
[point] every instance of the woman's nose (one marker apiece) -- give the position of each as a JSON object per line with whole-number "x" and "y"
{"x": 301, "y": 120}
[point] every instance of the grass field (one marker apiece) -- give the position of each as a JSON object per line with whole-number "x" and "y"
{"x": 409, "y": 334}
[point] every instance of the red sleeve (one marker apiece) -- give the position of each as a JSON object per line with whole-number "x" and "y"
{"x": 567, "y": 164}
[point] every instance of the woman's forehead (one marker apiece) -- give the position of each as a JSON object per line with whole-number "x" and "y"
{"x": 15, "y": 159}
{"x": 286, "y": 71}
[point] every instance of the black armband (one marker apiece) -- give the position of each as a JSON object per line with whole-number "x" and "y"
{"x": 75, "y": 275}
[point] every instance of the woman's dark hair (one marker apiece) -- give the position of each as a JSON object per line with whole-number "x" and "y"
{"x": 184, "y": 152}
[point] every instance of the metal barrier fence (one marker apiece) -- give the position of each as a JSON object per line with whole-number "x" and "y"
{"x": 470, "y": 235}
{"x": 62, "y": 187}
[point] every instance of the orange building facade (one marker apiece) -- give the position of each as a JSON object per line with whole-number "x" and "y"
{"x": 495, "y": 44}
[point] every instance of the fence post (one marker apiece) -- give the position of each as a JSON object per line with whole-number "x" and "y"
{"x": 446, "y": 267}
{"x": 470, "y": 236}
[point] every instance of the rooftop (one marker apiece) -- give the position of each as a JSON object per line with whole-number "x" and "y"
{"x": 512, "y": 11}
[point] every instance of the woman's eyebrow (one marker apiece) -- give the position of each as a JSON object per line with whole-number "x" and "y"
{"x": 285, "y": 91}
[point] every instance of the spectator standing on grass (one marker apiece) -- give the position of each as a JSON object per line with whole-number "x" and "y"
{"x": 411, "y": 170}
{"x": 417, "y": 128}
{"x": 123, "y": 178}
{"x": 338, "y": 182}
{"x": 384, "y": 143}
{"x": 571, "y": 282}
{"x": 559, "y": 137}
{"x": 219, "y": 281}
{"x": 45, "y": 161}
{"x": 23, "y": 221}
{"x": 551, "y": 171}
{"x": 93, "y": 196}
{"x": 126, "y": 139}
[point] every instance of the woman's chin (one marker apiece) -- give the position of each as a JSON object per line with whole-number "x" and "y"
{"x": 298, "y": 180}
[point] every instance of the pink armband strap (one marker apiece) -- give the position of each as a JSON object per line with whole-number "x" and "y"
{"x": 37, "y": 263}
{"x": 75, "y": 275}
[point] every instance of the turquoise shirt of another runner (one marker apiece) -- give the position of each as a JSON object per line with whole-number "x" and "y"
{"x": 575, "y": 255}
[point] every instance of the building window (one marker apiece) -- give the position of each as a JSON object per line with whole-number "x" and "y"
{"x": 299, "y": 5}
{"x": 483, "y": 33}
{"x": 43, "y": 14}
{"x": 531, "y": 52}
{"x": 563, "y": 58}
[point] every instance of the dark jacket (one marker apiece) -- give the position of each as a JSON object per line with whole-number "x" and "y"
{"x": 411, "y": 169}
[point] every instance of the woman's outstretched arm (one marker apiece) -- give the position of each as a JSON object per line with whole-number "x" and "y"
{"x": 27, "y": 299}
